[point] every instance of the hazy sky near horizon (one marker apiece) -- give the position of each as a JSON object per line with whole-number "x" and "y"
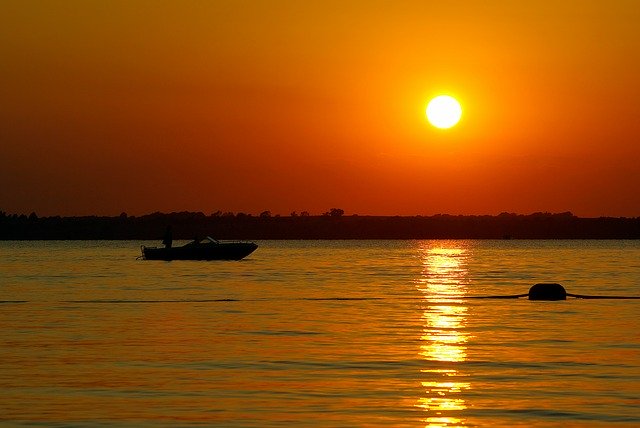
{"x": 245, "y": 106}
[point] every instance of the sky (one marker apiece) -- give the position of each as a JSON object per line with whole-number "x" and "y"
{"x": 244, "y": 106}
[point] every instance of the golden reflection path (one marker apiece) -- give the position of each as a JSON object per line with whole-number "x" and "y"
{"x": 443, "y": 339}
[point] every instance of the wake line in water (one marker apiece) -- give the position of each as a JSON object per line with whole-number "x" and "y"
{"x": 542, "y": 291}
{"x": 116, "y": 301}
{"x": 222, "y": 300}
{"x": 516, "y": 296}
{"x": 549, "y": 291}
{"x": 312, "y": 299}
{"x": 582, "y": 296}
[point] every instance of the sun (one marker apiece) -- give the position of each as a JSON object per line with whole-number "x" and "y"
{"x": 444, "y": 112}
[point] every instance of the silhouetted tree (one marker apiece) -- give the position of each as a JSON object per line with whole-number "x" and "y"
{"x": 265, "y": 214}
{"x": 335, "y": 212}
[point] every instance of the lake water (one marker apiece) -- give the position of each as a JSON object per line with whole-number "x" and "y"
{"x": 320, "y": 333}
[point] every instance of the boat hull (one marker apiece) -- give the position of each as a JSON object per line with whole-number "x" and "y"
{"x": 221, "y": 251}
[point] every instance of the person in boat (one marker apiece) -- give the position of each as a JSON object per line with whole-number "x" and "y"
{"x": 167, "y": 241}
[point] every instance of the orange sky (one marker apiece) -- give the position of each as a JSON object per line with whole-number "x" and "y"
{"x": 143, "y": 106}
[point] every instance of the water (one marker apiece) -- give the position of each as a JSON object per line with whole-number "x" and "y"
{"x": 307, "y": 333}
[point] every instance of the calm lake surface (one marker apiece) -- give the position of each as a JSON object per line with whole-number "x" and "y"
{"x": 320, "y": 333}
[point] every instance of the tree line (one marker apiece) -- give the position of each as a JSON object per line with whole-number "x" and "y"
{"x": 332, "y": 224}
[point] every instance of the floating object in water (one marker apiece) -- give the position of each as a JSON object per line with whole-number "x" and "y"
{"x": 208, "y": 249}
{"x": 549, "y": 291}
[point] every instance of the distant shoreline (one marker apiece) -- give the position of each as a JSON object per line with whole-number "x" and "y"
{"x": 187, "y": 225}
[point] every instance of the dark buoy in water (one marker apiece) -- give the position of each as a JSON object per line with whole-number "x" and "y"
{"x": 547, "y": 292}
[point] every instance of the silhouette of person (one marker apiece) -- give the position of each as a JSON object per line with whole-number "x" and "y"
{"x": 167, "y": 240}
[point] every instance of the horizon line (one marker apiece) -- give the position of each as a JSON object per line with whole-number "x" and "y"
{"x": 296, "y": 214}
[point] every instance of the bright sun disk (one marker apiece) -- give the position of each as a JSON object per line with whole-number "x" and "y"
{"x": 444, "y": 111}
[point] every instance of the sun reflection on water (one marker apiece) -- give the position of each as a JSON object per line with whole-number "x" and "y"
{"x": 443, "y": 340}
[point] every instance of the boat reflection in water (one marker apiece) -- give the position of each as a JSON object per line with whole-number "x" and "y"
{"x": 443, "y": 340}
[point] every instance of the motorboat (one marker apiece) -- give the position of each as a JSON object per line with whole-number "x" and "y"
{"x": 206, "y": 249}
